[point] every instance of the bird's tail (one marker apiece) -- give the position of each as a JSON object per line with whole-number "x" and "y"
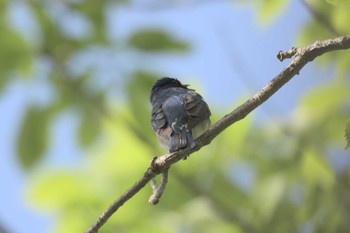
{"x": 181, "y": 140}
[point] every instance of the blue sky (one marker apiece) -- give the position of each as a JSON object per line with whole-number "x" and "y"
{"x": 231, "y": 57}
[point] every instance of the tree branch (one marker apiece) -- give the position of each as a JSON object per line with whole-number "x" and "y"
{"x": 161, "y": 164}
{"x": 158, "y": 190}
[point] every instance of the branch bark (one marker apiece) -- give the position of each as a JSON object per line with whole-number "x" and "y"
{"x": 161, "y": 164}
{"x": 158, "y": 190}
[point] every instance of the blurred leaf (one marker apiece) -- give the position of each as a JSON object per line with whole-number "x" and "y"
{"x": 138, "y": 92}
{"x": 199, "y": 212}
{"x": 94, "y": 10}
{"x": 315, "y": 170}
{"x": 123, "y": 150}
{"x": 328, "y": 22}
{"x": 89, "y": 129}
{"x": 235, "y": 136}
{"x": 33, "y": 137}
{"x": 70, "y": 91}
{"x": 347, "y": 135}
{"x": 342, "y": 65}
{"x": 153, "y": 40}
{"x": 15, "y": 54}
{"x": 51, "y": 36}
{"x": 268, "y": 194}
{"x": 311, "y": 31}
{"x": 270, "y": 10}
{"x": 339, "y": 17}
{"x": 79, "y": 92}
{"x": 55, "y": 43}
{"x": 60, "y": 190}
{"x": 88, "y": 189}
{"x": 325, "y": 98}
{"x": 339, "y": 2}
{"x": 323, "y": 114}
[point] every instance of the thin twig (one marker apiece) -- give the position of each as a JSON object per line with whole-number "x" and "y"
{"x": 153, "y": 185}
{"x": 158, "y": 190}
{"x": 161, "y": 164}
{"x": 286, "y": 54}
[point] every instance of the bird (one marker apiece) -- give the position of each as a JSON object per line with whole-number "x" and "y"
{"x": 179, "y": 114}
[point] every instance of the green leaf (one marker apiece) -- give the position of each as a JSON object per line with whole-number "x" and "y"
{"x": 313, "y": 31}
{"x": 14, "y": 54}
{"x": 153, "y": 40}
{"x": 347, "y": 134}
{"x": 315, "y": 170}
{"x": 138, "y": 91}
{"x": 339, "y": 18}
{"x": 230, "y": 135}
{"x": 59, "y": 190}
{"x": 324, "y": 98}
{"x": 268, "y": 194}
{"x": 270, "y": 10}
{"x": 33, "y": 137}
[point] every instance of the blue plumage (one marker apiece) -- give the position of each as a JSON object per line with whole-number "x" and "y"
{"x": 177, "y": 114}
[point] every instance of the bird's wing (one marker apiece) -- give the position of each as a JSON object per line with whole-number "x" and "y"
{"x": 196, "y": 108}
{"x": 158, "y": 118}
{"x": 159, "y": 125}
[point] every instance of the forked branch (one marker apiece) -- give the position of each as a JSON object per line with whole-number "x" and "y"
{"x": 161, "y": 164}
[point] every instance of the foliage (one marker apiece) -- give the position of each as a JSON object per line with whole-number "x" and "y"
{"x": 269, "y": 10}
{"x": 152, "y": 40}
{"x": 347, "y": 135}
{"x": 33, "y": 137}
{"x": 339, "y": 2}
{"x": 276, "y": 176}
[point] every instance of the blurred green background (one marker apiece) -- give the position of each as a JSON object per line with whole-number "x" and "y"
{"x": 75, "y": 133}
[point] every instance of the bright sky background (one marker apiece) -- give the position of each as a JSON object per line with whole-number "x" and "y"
{"x": 232, "y": 57}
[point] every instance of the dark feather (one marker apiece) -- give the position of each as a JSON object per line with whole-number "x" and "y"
{"x": 196, "y": 109}
{"x": 176, "y": 113}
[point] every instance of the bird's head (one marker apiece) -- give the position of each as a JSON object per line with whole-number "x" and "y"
{"x": 165, "y": 83}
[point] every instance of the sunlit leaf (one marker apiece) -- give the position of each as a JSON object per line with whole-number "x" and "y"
{"x": 343, "y": 64}
{"x": 323, "y": 114}
{"x": 122, "y": 149}
{"x": 235, "y": 136}
{"x": 339, "y": 18}
{"x": 325, "y": 98}
{"x": 33, "y": 136}
{"x": 153, "y": 40}
{"x": 315, "y": 170}
{"x": 270, "y": 10}
{"x": 87, "y": 191}
{"x": 59, "y": 190}
{"x": 268, "y": 194}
